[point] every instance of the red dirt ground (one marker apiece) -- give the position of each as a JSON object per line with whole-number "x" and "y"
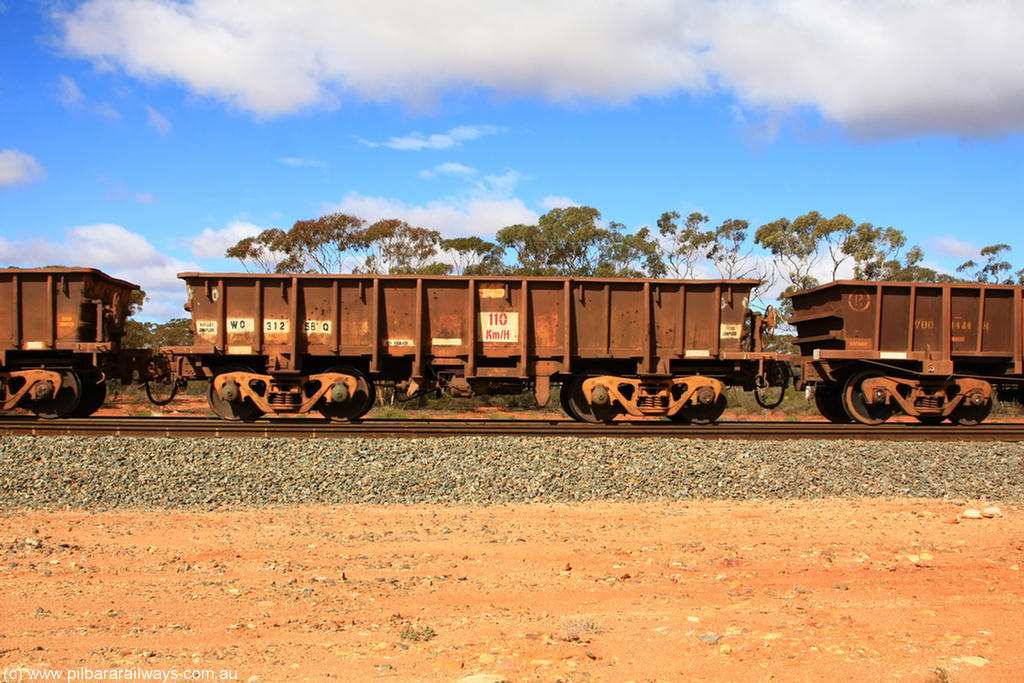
{"x": 864, "y": 590}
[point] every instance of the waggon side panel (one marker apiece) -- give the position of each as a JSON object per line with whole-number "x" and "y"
{"x": 494, "y": 326}
{"x": 701, "y": 323}
{"x": 941, "y": 323}
{"x": 51, "y": 309}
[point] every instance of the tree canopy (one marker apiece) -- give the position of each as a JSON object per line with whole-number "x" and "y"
{"x": 995, "y": 269}
{"x": 576, "y": 241}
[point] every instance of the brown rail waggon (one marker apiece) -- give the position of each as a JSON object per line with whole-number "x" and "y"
{"x": 280, "y": 344}
{"x": 60, "y": 338}
{"x": 936, "y": 352}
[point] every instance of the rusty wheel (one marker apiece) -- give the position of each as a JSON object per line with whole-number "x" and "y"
{"x": 61, "y": 403}
{"x": 563, "y": 399}
{"x": 94, "y": 393}
{"x": 701, "y": 414}
{"x": 582, "y": 410}
{"x": 239, "y": 409}
{"x": 357, "y": 405}
{"x": 969, "y": 415}
{"x": 828, "y": 399}
{"x": 857, "y": 405}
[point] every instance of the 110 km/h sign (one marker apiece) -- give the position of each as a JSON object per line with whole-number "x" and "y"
{"x": 499, "y": 327}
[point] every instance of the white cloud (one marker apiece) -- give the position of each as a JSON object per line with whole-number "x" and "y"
{"x": 281, "y": 57}
{"x": 17, "y": 168}
{"x": 449, "y": 168}
{"x": 416, "y": 141}
{"x": 873, "y": 66}
{"x": 72, "y": 97}
{"x": 298, "y": 162}
{"x": 213, "y": 243}
{"x": 477, "y": 186}
{"x": 497, "y": 185}
{"x": 482, "y": 206}
{"x": 117, "y": 252}
{"x": 479, "y": 216}
{"x": 157, "y": 121}
{"x": 69, "y": 94}
{"x": 556, "y": 202}
{"x": 951, "y": 247}
{"x": 117, "y": 190}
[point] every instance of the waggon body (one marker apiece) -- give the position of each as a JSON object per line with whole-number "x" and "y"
{"x": 60, "y": 334}
{"x": 931, "y": 350}
{"x": 294, "y": 343}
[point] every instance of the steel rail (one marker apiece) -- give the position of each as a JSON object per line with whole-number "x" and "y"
{"x": 315, "y": 428}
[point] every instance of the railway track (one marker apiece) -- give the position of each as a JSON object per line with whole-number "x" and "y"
{"x": 312, "y": 428}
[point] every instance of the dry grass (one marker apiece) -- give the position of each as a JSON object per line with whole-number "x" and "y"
{"x": 576, "y": 629}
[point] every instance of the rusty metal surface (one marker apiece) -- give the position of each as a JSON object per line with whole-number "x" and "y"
{"x": 933, "y": 351}
{"x": 935, "y": 326}
{"x": 74, "y": 310}
{"x": 19, "y": 384}
{"x": 487, "y": 327}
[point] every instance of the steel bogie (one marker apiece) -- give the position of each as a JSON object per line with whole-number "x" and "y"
{"x": 701, "y": 413}
{"x": 601, "y": 398}
{"x": 53, "y": 394}
{"x": 871, "y": 397}
{"x": 20, "y": 387}
{"x": 349, "y": 396}
{"x": 866, "y": 400}
{"x": 58, "y": 400}
{"x": 230, "y": 394}
{"x": 341, "y": 393}
{"x": 960, "y": 399}
{"x": 970, "y": 413}
{"x": 696, "y": 399}
{"x": 591, "y": 405}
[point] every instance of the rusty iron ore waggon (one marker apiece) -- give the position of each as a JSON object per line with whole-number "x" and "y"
{"x": 286, "y": 344}
{"x": 932, "y": 351}
{"x": 60, "y": 339}
{"x": 294, "y": 344}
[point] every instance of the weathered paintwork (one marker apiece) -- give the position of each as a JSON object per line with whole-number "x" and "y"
{"x": 934, "y": 351}
{"x": 936, "y": 328}
{"x": 80, "y": 310}
{"x": 467, "y": 334}
{"x": 60, "y": 338}
{"x": 496, "y": 326}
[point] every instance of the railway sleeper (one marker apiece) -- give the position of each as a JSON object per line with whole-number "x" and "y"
{"x": 289, "y": 394}
{"x": 652, "y": 397}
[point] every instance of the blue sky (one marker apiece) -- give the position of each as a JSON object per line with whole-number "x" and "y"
{"x": 145, "y": 136}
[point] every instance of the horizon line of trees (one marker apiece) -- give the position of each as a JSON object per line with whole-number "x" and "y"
{"x": 575, "y": 242}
